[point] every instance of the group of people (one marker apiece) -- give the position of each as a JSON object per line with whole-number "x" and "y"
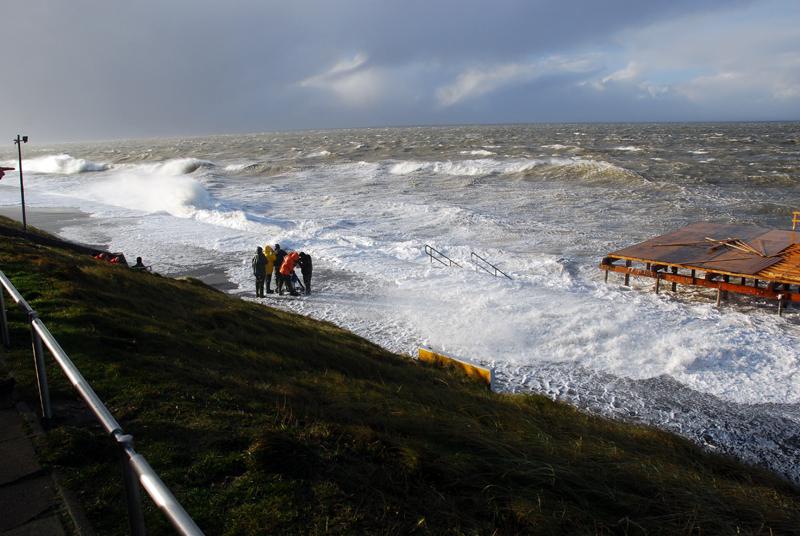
{"x": 268, "y": 260}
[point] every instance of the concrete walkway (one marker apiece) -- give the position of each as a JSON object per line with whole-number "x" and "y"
{"x": 29, "y": 503}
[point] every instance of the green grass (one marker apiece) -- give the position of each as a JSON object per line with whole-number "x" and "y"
{"x": 265, "y": 422}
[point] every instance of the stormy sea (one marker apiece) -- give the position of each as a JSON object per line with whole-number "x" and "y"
{"x": 544, "y": 203}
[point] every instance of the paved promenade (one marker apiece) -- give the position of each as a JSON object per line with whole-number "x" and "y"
{"x": 29, "y": 503}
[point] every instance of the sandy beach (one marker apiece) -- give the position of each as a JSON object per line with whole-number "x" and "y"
{"x": 52, "y": 220}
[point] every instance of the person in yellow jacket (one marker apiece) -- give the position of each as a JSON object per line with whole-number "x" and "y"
{"x": 269, "y": 253}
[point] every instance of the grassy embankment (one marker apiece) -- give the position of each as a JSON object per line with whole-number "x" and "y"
{"x": 263, "y": 422}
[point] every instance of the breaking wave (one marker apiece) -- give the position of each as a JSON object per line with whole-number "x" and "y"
{"x": 178, "y": 196}
{"x": 478, "y": 152}
{"x": 59, "y": 164}
{"x": 261, "y": 169}
{"x": 158, "y": 187}
{"x": 174, "y": 167}
{"x": 583, "y": 169}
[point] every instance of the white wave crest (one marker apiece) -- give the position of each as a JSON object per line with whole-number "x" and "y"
{"x": 237, "y": 167}
{"x": 628, "y": 148}
{"x": 479, "y": 152}
{"x": 172, "y": 168}
{"x": 557, "y": 146}
{"x": 61, "y": 164}
{"x": 408, "y": 167}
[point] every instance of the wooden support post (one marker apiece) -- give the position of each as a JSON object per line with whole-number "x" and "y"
{"x": 694, "y": 278}
{"x": 719, "y": 296}
{"x": 627, "y": 275}
{"x": 755, "y": 283}
{"x": 780, "y": 304}
{"x": 744, "y": 281}
{"x": 647, "y": 266}
{"x": 658, "y": 282}
{"x": 727, "y": 279}
{"x": 674, "y": 284}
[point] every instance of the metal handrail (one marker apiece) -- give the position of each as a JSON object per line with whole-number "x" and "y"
{"x": 137, "y": 471}
{"x": 437, "y": 255}
{"x": 76, "y": 378}
{"x": 473, "y": 256}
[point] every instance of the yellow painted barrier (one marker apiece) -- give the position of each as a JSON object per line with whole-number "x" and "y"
{"x": 480, "y": 374}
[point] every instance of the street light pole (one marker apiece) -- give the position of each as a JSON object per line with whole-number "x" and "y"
{"x": 19, "y": 140}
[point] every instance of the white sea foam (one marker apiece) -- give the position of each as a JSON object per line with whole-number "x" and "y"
{"x": 628, "y": 148}
{"x": 319, "y": 154}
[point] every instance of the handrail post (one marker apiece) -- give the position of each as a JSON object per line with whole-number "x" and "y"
{"x": 41, "y": 371}
{"x": 4, "y": 321}
{"x": 132, "y": 494}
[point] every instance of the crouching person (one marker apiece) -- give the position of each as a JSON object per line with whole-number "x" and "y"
{"x": 287, "y": 268}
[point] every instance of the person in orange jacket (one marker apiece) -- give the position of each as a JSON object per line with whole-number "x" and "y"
{"x": 269, "y": 253}
{"x": 287, "y": 268}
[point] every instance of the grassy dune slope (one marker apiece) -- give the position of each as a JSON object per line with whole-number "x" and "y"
{"x": 265, "y": 422}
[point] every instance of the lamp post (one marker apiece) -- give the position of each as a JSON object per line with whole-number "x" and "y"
{"x": 19, "y": 140}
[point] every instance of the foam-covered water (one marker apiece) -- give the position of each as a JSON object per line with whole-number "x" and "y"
{"x": 544, "y": 203}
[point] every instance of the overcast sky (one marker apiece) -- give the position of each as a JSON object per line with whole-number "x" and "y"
{"x": 98, "y": 69}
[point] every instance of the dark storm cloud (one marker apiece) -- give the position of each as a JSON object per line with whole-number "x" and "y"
{"x": 95, "y": 69}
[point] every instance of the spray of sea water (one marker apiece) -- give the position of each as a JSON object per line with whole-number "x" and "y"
{"x": 543, "y": 202}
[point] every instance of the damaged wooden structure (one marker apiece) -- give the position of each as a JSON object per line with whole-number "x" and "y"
{"x": 744, "y": 259}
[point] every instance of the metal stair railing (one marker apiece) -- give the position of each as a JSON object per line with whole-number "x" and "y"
{"x": 136, "y": 469}
{"x": 485, "y": 265}
{"x": 438, "y": 256}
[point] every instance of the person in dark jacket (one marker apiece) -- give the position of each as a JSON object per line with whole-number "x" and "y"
{"x": 259, "y": 271}
{"x": 139, "y": 266}
{"x": 279, "y": 256}
{"x": 306, "y": 269}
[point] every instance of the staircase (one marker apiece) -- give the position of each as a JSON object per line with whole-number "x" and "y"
{"x": 479, "y": 262}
